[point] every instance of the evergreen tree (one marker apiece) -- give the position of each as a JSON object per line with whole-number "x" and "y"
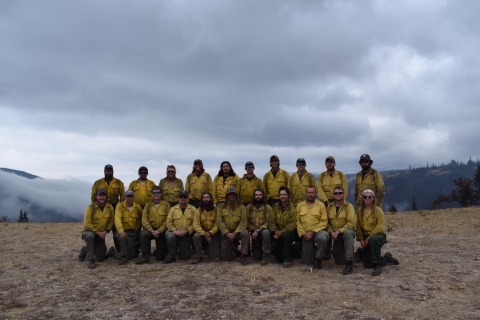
{"x": 414, "y": 204}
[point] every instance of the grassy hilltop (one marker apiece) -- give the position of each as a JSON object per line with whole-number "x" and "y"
{"x": 438, "y": 277}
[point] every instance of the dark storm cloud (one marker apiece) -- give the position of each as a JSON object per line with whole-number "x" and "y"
{"x": 327, "y": 76}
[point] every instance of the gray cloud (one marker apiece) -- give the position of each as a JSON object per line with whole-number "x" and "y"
{"x": 88, "y": 82}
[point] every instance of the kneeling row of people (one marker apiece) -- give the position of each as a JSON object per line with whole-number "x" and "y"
{"x": 221, "y": 228}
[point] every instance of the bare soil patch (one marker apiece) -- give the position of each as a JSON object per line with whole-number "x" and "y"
{"x": 438, "y": 277}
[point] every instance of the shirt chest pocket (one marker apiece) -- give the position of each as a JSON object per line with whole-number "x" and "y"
{"x": 303, "y": 216}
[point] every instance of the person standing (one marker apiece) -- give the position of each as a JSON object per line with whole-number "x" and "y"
{"x": 369, "y": 178}
{"x": 328, "y": 180}
{"x": 299, "y": 181}
{"x": 225, "y": 179}
{"x": 171, "y": 186}
{"x": 197, "y": 183}
{"x": 247, "y": 185}
{"x": 142, "y": 187}
{"x": 274, "y": 179}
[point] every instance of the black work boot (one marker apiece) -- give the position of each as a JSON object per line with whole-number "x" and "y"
{"x": 122, "y": 261}
{"x": 348, "y": 269}
{"x": 110, "y": 253}
{"x": 82, "y": 254}
{"x": 243, "y": 260}
{"x": 169, "y": 259}
{"x": 377, "y": 270}
{"x": 197, "y": 260}
{"x": 143, "y": 259}
{"x": 264, "y": 259}
{"x": 390, "y": 259}
{"x": 318, "y": 264}
{"x": 91, "y": 264}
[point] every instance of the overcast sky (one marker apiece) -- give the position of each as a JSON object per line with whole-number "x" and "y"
{"x": 131, "y": 83}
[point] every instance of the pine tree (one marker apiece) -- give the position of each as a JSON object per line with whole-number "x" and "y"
{"x": 414, "y": 204}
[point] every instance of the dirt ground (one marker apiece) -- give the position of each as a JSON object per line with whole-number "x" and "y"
{"x": 438, "y": 278}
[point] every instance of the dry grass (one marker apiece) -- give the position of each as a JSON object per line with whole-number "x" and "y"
{"x": 438, "y": 277}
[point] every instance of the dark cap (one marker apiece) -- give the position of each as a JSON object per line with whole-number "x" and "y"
{"x": 129, "y": 193}
{"x": 249, "y": 163}
{"x": 142, "y": 168}
{"x": 365, "y": 157}
{"x": 274, "y": 157}
{"x": 301, "y": 161}
{"x": 231, "y": 190}
{"x": 330, "y": 158}
{"x": 101, "y": 190}
{"x": 198, "y": 161}
{"x": 183, "y": 193}
{"x": 108, "y": 166}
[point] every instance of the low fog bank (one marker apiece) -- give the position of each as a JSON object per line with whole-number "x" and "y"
{"x": 44, "y": 200}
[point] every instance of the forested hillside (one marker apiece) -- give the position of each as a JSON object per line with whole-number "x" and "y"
{"x": 423, "y": 183}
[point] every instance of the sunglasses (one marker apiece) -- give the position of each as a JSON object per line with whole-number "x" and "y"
{"x": 300, "y": 164}
{"x": 183, "y": 197}
{"x": 364, "y": 161}
{"x": 171, "y": 171}
{"x": 249, "y": 167}
{"x": 337, "y": 193}
{"x": 143, "y": 172}
{"x": 156, "y": 192}
{"x": 367, "y": 197}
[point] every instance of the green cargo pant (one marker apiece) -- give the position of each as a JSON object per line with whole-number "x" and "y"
{"x": 309, "y": 254}
{"x": 96, "y": 247}
{"x": 213, "y": 247}
{"x": 372, "y": 254}
{"x": 184, "y": 245}
{"x": 127, "y": 245}
{"x": 343, "y": 247}
{"x": 160, "y": 242}
{"x": 284, "y": 248}
{"x": 261, "y": 244}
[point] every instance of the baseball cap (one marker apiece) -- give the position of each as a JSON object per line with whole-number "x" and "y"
{"x": 249, "y": 163}
{"x": 198, "y": 161}
{"x": 183, "y": 193}
{"x": 330, "y": 158}
{"x": 231, "y": 190}
{"x": 142, "y": 168}
{"x": 108, "y": 166}
{"x": 274, "y": 157}
{"x": 301, "y": 161}
{"x": 129, "y": 193}
{"x": 101, "y": 190}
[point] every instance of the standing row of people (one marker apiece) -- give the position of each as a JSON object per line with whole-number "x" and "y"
{"x": 199, "y": 181}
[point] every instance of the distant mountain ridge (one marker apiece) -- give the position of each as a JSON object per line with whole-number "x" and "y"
{"x": 20, "y": 173}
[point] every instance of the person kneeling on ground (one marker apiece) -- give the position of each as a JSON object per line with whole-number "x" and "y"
{"x": 341, "y": 224}
{"x": 128, "y": 221}
{"x": 154, "y": 222}
{"x": 259, "y": 215}
{"x": 232, "y": 223}
{"x": 312, "y": 222}
{"x": 370, "y": 226}
{"x": 284, "y": 228}
{"x": 206, "y": 230}
{"x": 180, "y": 229}
{"x": 97, "y": 222}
